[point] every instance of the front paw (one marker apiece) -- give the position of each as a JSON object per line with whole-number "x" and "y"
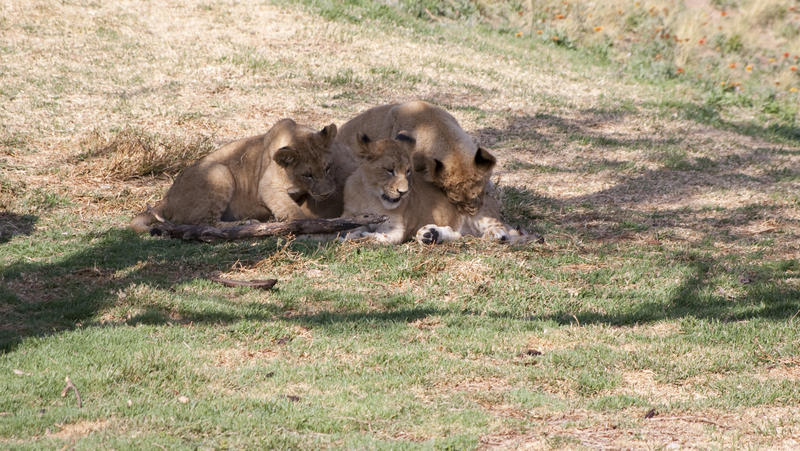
{"x": 354, "y": 235}
{"x": 429, "y": 235}
{"x": 381, "y": 238}
{"x": 499, "y": 234}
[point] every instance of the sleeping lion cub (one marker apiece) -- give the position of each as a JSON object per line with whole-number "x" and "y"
{"x": 385, "y": 183}
{"x": 252, "y": 178}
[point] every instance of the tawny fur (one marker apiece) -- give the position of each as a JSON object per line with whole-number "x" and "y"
{"x": 383, "y": 184}
{"x": 452, "y": 161}
{"x": 252, "y": 178}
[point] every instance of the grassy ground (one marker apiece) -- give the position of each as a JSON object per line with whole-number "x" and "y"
{"x": 661, "y": 312}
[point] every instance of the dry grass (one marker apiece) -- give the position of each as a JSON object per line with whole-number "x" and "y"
{"x": 714, "y": 40}
{"x": 133, "y": 153}
{"x": 578, "y": 429}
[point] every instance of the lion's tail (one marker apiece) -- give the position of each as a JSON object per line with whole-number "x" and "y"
{"x": 141, "y": 223}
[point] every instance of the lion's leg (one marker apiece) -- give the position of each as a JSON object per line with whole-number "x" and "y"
{"x": 355, "y": 234}
{"x": 282, "y": 206}
{"x": 391, "y": 236}
{"x": 202, "y": 197}
{"x": 495, "y": 229}
{"x": 433, "y": 234}
{"x": 487, "y": 222}
{"x": 392, "y": 232}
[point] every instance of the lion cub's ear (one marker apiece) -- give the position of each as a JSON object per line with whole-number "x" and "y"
{"x": 430, "y": 168}
{"x": 328, "y": 133}
{"x": 484, "y": 160}
{"x": 366, "y": 148}
{"x": 404, "y": 136}
{"x": 285, "y": 156}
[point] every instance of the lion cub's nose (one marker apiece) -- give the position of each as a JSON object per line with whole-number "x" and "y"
{"x": 402, "y": 191}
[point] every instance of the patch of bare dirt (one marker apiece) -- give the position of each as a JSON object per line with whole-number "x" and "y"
{"x": 775, "y": 428}
{"x": 81, "y": 429}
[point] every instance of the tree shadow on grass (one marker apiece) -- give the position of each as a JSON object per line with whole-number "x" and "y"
{"x": 44, "y": 298}
{"x": 13, "y": 224}
{"x": 764, "y": 294}
{"x": 38, "y": 298}
{"x": 625, "y": 210}
{"x": 709, "y": 115}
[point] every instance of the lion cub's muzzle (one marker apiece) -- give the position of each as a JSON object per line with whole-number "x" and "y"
{"x": 393, "y": 200}
{"x": 322, "y": 196}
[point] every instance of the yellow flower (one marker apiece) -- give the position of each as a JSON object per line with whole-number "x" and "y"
{"x": 519, "y": 34}
{"x": 792, "y": 89}
{"x": 748, "y": 68}
{"x": 556, "y": 38}
{"x": 538, "y": 31}
{"x": 598, "y": 28}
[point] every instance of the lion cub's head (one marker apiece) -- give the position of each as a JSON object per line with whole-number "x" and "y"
{"x": 463, "y": 180}
{"x": 306, "y": 156}
{"x": 386, "y": 167}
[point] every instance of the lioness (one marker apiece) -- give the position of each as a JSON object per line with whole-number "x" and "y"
{"x": 251, "y": 178}
{"x": 452, "y": 161}
{"x": 385, "y": 184}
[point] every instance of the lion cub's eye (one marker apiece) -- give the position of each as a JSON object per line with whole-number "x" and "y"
{"x": 390, "y": 171}
{"x": 408, "y": 172}
{"x": 308, "y": 175}
{"x": 328, "y": 169}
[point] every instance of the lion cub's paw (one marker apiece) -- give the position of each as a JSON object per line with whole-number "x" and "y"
{"x": 498, "y": 234}
{"x": 367, "y": 235}
{"x": 428, "y": 235}
{"x": 380, "y": 237}
{"x": 434, "y": 234}
{"x": 354, "y": 235}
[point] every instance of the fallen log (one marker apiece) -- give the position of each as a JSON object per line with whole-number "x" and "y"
{"x": 208, "y": 233}
{"x": 264, "y": 284}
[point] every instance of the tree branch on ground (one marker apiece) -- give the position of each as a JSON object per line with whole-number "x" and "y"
{"x": 296, "y": 227}
{"x": 72, "y": 386}
{"x": 264, "y": 284}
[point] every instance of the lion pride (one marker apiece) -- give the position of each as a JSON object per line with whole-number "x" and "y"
{"x": 450, "y": 159}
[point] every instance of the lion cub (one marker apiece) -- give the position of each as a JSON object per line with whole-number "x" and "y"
{"x": 252, "y": 178}
{"x": 380, "y": 185}
{"x": 390, "y": 182}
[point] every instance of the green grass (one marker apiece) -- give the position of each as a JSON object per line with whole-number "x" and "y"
{"x": 133, "y": 322}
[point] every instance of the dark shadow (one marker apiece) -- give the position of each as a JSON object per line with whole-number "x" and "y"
{"x": 709, "y": 115}
{"x": 624, "y": 210}
{"x": 12, "y": 224}
{"x": 620, "y": 206}
{"x": 39, "y": 298}
{"x": 765, "y": 296}
{"x": 45, "y": 298}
